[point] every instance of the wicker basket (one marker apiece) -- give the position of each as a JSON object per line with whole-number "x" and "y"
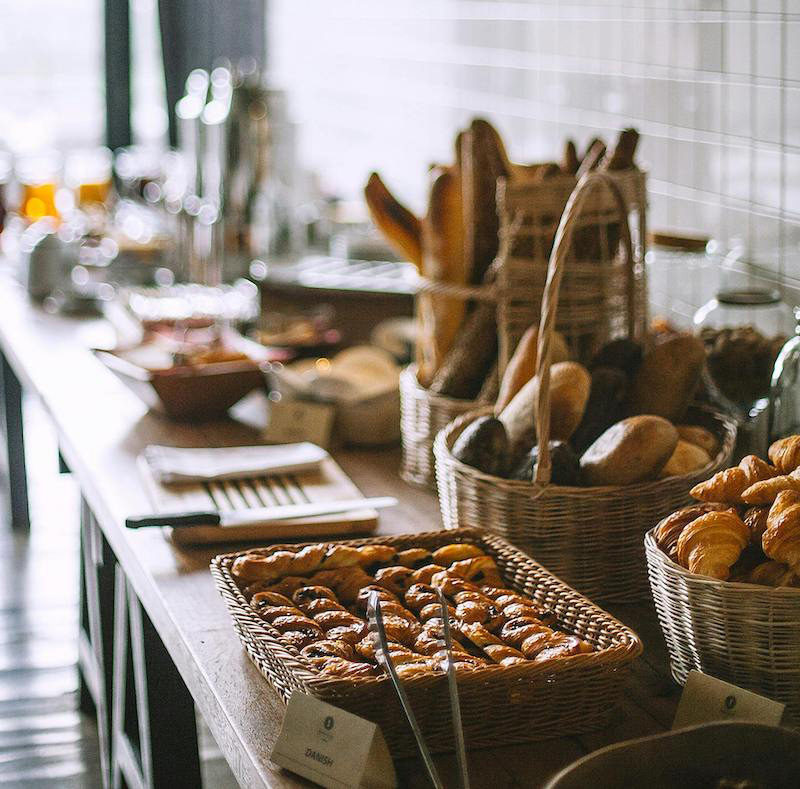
{"x": 600, "y": 292}
{"x": 743, "y": 633}
{"x": 499, "y": 705}
{"x": 422, "y": 415}
{"x": 590, "y": 537}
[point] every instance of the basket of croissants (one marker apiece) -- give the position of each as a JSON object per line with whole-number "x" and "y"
{"x": 725, "y": 575}
{"x": 575, "y": 462}
{"x": 482, "y": 249}
{"x": 534, "y": 659}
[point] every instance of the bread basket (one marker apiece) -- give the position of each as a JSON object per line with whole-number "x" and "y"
{"x": 595, "y": 306}
{"x": 590, "y": 537}
{"x": 500, "y": 705}
{"x": 743, "y": 633}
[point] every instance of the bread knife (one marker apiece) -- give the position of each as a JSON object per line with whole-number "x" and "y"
{"x": 257, "y": 515}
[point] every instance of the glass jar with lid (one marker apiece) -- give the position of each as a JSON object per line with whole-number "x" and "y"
{"x": 743, "y": 328}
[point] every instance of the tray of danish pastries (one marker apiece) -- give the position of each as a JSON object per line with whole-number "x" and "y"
{"x": 534, "y": 658}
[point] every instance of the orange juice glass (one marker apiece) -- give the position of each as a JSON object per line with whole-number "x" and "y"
{"x": 88, "y": 173}
{"x": 39, "y": 175}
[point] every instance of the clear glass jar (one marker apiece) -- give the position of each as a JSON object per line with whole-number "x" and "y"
{"x": 784, "y": 400}
{"x": 743, "y": 327}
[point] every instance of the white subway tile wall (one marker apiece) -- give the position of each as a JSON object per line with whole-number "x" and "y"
{"x": 712, "y": 85}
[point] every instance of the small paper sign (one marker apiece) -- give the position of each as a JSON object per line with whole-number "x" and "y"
{"x": 706, "y": 699}
{"x": 291, "y": 421}
{"x": 331, "y": 747}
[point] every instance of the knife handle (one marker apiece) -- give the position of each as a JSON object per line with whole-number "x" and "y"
{"x": 177, "y": 520}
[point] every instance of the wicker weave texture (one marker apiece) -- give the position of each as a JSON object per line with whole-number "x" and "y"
{"x": 596, "y": 303}
{"x": 422, "y": 415}
{"x": 499, "y": 705}
{"x": 590, "y": 537}
{"x": 743, "y": 633}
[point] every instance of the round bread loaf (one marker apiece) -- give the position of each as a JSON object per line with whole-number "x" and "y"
{"x": 686, "y": 458}
{"x": 632, "y": 450}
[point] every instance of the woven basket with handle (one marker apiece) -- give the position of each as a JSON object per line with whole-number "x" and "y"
{"x": 590, "y": 537}
{"x": 601, "y": 294}
{"x": 743, "y": 633}
{"x": 500, "y": 705}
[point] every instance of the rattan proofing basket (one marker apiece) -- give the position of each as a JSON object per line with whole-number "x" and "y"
{"x": 742, "y": 633}
{"x": 499, "y": 705}
{"x": 601, "y": 294}
{"x": 422, "y": 415}
{"x": 590, "y": 537}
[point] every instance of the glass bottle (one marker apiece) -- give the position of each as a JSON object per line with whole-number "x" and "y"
{"x": 784, "y": 399}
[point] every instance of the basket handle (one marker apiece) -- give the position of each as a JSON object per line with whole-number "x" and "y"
{"x": 547, "y": 321}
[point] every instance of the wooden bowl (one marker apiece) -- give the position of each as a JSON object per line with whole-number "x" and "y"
{"x": 698, "y": 756}
{"x": 188, "y": 393}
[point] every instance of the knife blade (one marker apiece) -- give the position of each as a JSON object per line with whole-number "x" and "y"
{"x": 257, "y": 515}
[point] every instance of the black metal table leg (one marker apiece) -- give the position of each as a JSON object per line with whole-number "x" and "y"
{"x": 11, "y": 418}
{"x": 154, "y": 725}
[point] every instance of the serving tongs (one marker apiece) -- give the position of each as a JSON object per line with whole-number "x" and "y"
{"x": 384, "y": 658}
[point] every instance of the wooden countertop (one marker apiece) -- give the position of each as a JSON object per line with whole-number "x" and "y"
{"x": 102, "y": 427}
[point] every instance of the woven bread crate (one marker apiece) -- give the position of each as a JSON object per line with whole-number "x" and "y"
{"x": 590, "y": 537}
{"x": 742, "y": 633}
{"x": 601, "y": 291}
{"x": 499, "y": 705}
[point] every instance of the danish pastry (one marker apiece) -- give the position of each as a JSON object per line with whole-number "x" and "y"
{"x": 271, "y": 613}
{"x": 307, "y": 560}
{"x": 480, "y": 570}
{"x": 515, "y": 610}
{"x": 339, "y": 556}
{"x": 260, "y": 599}
{"x": 785, "y": 454}
{"x": 426, "y": 573}
{"x": 365, "y": 593}
{"x": 420, "y": 595}
{"x": 352, "y": 634}
{"x": 300, "y": 638}
{"x": 434, "y": 611}
{"x": 345, "y": 668}
{"x": 395, "y": 579}
{"x": 414, "y": 558}
{"x": 371, "y": 557}
{"x": 283, "y": 624}
{"x": 320, "y": 605}
{"x": 305, "y": 594}
{"x": 288, "y": 586}
{"x": 330, "y": 619}
{"x": 517, "y": 630}
{"x": 416, "y": 669}
{"x": 255, "y": 567}
{"x": 563, "y": 647}
{"x": 711, "y": 544}
{"x": 329, "y": 648}
{"x": 455, "y": 552}
{"x": 781, "y": 540}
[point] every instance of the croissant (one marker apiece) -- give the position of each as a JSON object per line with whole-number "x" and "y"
{"x": 785, "y": 453}
{"x": 781, "y": 540}
{"x": 764, "y": 492}
{"x": 728, "y": 485}
{"x": 711, "y": 544}
{"x": 670, "y": 529}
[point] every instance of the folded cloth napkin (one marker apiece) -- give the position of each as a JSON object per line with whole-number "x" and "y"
{"x": 171, "y": 465}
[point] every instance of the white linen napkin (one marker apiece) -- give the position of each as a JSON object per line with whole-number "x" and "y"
{"x": 170, "y": 465}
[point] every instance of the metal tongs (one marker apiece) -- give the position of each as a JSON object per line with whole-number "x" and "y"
{"x": 375, "y": 621}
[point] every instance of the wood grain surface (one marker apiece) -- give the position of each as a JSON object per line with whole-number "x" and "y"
{"x": 102, "y": 428}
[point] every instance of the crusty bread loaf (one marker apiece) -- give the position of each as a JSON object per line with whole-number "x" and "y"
{"x": 632, "y": 450}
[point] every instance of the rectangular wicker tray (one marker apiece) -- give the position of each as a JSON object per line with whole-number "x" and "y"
{"x": 499, "y": 705}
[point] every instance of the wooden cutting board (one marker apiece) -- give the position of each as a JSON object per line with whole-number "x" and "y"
{"x": 328, "y": 483}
